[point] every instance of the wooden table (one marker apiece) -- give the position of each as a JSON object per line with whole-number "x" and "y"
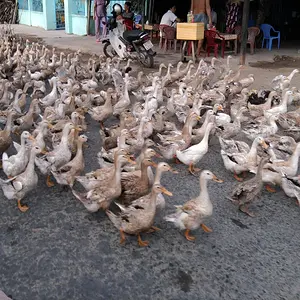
{"x": 190, "y": 34}
{"x": 152, "y": 28}
{"x": 231, "y": 37}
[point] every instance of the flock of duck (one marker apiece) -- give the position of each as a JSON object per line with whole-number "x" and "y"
{"x": 169, "y": 114}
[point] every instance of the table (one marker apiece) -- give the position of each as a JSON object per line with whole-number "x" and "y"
{"x": 231, "y": 37}
{"x": 185, "y": 51}
{"x": 153, "y": 28}
{"x": 190, "y": 34}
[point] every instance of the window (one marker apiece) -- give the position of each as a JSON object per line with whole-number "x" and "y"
{"x": 23, "y": 4}
{"x": 37, "y": 5}
{"x": 78, "y": 7}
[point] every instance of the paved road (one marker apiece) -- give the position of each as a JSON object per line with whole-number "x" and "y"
{"x": 57, "y": 250}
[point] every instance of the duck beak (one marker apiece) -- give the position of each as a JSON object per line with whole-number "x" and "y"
{"x": 50, "y": 126}
{"x": 44, "y": 152}
{"x": 154, "y": 165}
{"x": 198, "y": 118}
{"x": 220, "y": 108}
{"x": 216, "y": 179}
{"x": 165, "y": 191}
{"x": 173, "y": 171}
{"x": 264, "y": 145}
{"x": 131, "y": 161}
{"x": 158, "y": 155}
{"x": 31, "y": 138}
{"x": 78, "y": 129}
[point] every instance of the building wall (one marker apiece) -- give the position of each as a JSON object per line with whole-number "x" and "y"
{"x": 42, "y": 13}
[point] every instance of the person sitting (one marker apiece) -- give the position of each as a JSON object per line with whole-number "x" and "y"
{"x": 128, "y": 16}
{"x": 169, "y": 18}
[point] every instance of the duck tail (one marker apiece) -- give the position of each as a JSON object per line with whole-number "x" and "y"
{"x": 171, "y": 218}
{"x": 114, "y": 219}
{"x": 4, "y": 156}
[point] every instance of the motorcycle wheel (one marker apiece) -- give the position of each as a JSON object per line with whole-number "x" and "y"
{"x": 146, "y": 58}
{"x": 109, "y": 50}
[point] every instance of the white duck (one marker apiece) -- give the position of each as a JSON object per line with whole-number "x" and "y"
{"x": 193, "y": 214}
{"x": 18, "y": 186}
{"x": 195, "y": 153}
{"x": 281, "y": 81}
{"x": 17, "y": 163}
{"x": 282, "y": 107}
{"x": 50, "y": 99}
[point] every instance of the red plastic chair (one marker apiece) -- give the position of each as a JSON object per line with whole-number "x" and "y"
{"x": 211, "y": 37}
{"x": 128, "y": 24}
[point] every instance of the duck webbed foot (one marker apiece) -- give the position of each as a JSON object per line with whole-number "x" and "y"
{"x": 22, "y": 208}
{"x": 244, "y": 208}
{"x": 237, "y": 177}
{"x": 49, "y": 182}
{"x": 193, "y": 170}
{"x": 123, "y": 238}
{"x": 205, "y": 228}
{"x": 270, "y": 189}
{"x": 188, "y": 236}
{"x": 141, "y": 242}
{"x": 153, "y": 229}
{"x": 176, "y": 160}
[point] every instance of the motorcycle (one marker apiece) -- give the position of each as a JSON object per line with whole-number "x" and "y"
{"x": 133, "y": 44}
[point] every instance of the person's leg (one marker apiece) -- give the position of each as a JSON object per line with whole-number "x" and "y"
{"x": 104, "y": 26}
{"x": 201, "y": 18}
{"x": 97, "y": 28}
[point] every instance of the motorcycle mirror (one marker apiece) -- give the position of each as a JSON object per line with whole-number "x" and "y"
{"x": 117, "y": 8}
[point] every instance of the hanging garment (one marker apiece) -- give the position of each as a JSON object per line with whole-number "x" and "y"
{"x": 233, "y": 10}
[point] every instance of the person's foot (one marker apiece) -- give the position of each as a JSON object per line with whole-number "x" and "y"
{"x": 97, "y": 40}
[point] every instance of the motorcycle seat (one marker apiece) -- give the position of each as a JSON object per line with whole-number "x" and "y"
{"x": 132, "y": 35}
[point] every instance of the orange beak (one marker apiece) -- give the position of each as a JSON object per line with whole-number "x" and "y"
{"x": 165, "y": 191}
{"x": 216, "y": 179}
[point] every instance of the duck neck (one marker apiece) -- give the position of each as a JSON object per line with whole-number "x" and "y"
{"x": 290, "y": 77}
{"x": 203, "y": 195}
{"x": 188, "y": 126}
{"x": 117, "y": 173}
{"x": 65, "y": 134}
{"x": 206, "y": 135}
{"x": 272, "y": 123}
{"x": 122, "y": 141}
{"x": 8, "y": 123}
{"x": 158, "y": 175}
{"x": 30, "y": 166}
{"x": 79, "y": 153}
{"x": 144, "y": 172}
{"x": 54, "y": 86}
{"x": 253, "y": 149}
{"x": 160, "y": 69}
{"x": 107, "y": 103}
{"x": 23, "y": 142}
{"x": 294, "y": 159}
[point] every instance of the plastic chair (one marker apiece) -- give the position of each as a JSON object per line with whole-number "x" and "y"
{"x": 238, "y": 31}
{"x": 128, "y": 24}
{"x": 266, "y": 29}
{"x": 167, "y": 37}
{"x": 137, "y": 19}
{"x": 253, "y": 32}
{"x": 211, "y": 36}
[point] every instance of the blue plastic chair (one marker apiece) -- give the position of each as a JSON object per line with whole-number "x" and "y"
{"x": 266, "y": 29}
{"x": 137, "y": 19}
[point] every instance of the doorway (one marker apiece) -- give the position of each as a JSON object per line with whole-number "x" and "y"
{"x": 60, "y": 14}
